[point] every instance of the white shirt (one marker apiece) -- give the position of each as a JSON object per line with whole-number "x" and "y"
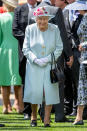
{"x": 31, "y": 7}
{"x": 47, "y": 1}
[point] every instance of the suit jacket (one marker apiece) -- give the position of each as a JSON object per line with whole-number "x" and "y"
{"x": 72, "y": 31}
{"x": 75, "y": 28}
{"x": 59, "y": 21}
{"x": 20, "y": 21}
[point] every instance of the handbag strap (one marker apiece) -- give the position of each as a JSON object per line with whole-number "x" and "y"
{"x": 53, "y": 61}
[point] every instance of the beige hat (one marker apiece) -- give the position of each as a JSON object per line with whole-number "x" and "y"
{"x": 13, "y": 3}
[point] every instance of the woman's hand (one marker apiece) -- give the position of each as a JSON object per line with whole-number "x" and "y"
{"x": 81, "y": 48}
{"x": 41, "y": 62}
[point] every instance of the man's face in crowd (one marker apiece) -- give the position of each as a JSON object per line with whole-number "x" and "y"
{"x": 52, "y": 2}
{"x": 59, "y": 3}
{"x": 32, "y": 2}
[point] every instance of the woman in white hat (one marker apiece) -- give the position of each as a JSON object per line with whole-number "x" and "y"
{"x": 9, "y": 67}
{"x": 81, "y": 6}
{"x": 41, "y": 39}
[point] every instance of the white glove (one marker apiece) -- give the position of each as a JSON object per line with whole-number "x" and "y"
{"x": 40, "y": 62}
{"x": 45, "y": 60}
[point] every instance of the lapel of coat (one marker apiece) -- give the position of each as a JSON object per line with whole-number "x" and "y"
{"x": 25, "y": 11}
{"x": 66, "y": 19}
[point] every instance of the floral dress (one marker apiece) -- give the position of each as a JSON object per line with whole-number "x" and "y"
{"x": 82, "y": 86}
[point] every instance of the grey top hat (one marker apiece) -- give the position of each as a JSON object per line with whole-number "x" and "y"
{"x": 78, "y": 5}
{"x": 13, "y": 3}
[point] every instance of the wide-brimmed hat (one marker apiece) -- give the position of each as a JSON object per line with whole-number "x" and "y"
{"x": 78, "y": 5}
{"x": 13, "y": 3}
{"x": 42, "y": 11}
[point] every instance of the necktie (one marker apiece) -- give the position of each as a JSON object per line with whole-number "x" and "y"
{"x": 32, "y": 7}
{"x": 48, "y": 3}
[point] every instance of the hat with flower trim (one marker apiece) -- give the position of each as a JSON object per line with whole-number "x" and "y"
{"x": 42, "y": 11}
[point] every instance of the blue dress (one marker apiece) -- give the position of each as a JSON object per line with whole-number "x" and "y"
{"x": 82, "y": 86}
{"x": 39, "y": 44}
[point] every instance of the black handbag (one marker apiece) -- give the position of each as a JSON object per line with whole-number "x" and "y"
{"x": 56, "y": 73}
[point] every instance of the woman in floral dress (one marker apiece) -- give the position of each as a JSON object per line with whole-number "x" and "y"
{"x": 81, "y": 6}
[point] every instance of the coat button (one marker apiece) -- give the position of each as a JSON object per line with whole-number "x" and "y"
{"x": 42, "y": 53}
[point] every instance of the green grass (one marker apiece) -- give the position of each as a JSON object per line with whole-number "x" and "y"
{"x": 15, "y": 122}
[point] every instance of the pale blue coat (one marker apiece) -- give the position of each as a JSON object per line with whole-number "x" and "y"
{"x": 39, "y": 44}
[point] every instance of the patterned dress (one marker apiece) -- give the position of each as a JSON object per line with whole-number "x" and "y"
{"x": 82, "y": 86}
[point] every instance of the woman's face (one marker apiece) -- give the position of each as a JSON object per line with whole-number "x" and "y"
{"x": 42, "y": 22}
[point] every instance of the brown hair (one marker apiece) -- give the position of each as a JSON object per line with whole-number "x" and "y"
{"x": 65, "y": 1}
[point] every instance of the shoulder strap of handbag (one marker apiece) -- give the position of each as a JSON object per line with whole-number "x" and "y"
{"x": 53, "y": 61}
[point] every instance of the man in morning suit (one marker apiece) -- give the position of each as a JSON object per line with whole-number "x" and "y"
{"x": 71, "y": 74}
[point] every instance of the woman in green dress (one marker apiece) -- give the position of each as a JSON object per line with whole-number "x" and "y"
{"x": 9, "y": 72}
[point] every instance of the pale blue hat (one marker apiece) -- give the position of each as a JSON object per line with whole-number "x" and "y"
{"x": 77, "y": 5}
{"x": 42, "y": 11}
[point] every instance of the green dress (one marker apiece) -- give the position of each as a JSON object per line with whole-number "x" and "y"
{"x": 9, "y": 65}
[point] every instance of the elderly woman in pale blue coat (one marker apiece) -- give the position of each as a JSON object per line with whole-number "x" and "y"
{"x": 41, "y": 39}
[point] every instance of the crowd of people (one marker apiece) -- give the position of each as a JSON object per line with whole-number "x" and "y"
{"x": 30, "y": 33}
